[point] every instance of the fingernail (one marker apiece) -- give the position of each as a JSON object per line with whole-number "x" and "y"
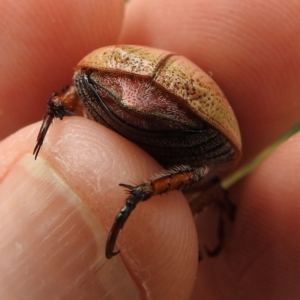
{"x": 51, "y": 244}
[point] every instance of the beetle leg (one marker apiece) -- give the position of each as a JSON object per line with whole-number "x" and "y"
{"x": 176, "y": 178}
{"x": 220, "y": 234}
{"x": 229, "y": 208}
{"x": 59, "y": 105}
{"x": 200, "y": 254}
{"x": 211, "y": 192}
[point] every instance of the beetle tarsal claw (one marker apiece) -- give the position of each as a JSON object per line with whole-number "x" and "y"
{"x": 111, "y": 253}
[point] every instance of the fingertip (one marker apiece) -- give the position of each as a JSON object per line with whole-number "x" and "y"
{"x": 51, "y": 242}
{"x": 260, "y": 255}
{"x": 160, "y": 233}
{"x": 158, "y": 241}
{"x": 263, "y": 238}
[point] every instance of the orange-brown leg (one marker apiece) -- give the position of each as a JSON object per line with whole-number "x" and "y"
{"x": 176, "y": 178}
{"x": 60, "y": 105}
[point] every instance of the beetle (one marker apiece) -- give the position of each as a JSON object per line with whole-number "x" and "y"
{"x": 165, "y": 104}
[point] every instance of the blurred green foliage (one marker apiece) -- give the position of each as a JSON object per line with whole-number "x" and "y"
{"x": 249, "y": 167}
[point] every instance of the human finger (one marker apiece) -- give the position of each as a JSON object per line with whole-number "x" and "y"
{"x": 57, "y": 212}
{"x": 261, "y": 252}
{"x": 250, "y": 48}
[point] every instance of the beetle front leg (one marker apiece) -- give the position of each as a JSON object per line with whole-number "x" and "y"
{"x": 176, "y": 178}
{"x": 60, "y": 105}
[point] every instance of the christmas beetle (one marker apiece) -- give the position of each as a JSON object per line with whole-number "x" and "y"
{"x": 165, "y": 104}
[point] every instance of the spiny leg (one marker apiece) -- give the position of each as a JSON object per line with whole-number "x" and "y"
{"x": 213, "y": 193}
{"x": 176, "y": 178}
{"x": 120, "y": 220}
{"x": 59, "y": 105}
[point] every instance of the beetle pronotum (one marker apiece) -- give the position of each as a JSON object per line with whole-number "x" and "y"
{"x": 165, "y": 104}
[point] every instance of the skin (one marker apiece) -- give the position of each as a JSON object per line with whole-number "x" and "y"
{"x": 56, "y": 211}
